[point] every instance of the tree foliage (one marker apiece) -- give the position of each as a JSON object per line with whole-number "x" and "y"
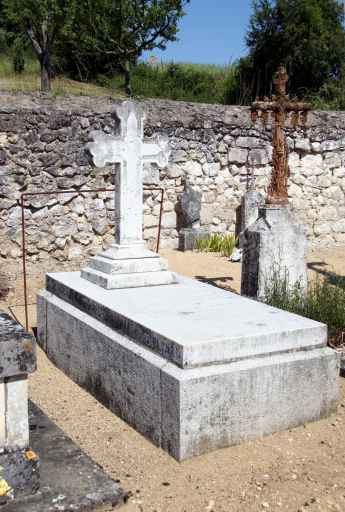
{"x": 108, "y": 35}
{"x": 305, "y": 35}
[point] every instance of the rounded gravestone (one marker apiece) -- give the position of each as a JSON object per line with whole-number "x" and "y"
{"x": 190, "y": 206}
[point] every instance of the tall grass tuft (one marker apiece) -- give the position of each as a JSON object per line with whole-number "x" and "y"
{"x": 222, "y": 244}
{"x": 324, "y": 301}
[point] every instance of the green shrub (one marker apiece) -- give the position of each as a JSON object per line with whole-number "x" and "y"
{"x": 185, "y": 82}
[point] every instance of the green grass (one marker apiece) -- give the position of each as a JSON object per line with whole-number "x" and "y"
{"x": 221, "y": 244}
{"x": 324, "y": 301}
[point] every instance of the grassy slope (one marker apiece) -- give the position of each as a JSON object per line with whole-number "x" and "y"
{"x": 29, "y": 81}
{"x": 189, "y": 82}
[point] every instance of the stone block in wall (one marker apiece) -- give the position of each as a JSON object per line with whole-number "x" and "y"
{"x": 206, "y": 214}
{"x": 150, "y": 221}
{"x": 179, "y": 156}
{"x": 332, "y": 160}
{"x": 339, "y": 226}
{"x": 248, "y": 142}
{"x": 339, "y": 173}
{"x": 322, "y": 228}
{"x": 211, "y": 169}
{"x": 258, "y": 157}
{"x": 192, "y": 168}
{"x": 169, "y": 220}
{"x": 174, "y": 171}
{"x": 328, "y": 213}
{"x": 330, "y": 145}
{"x": 238, "y": 155}
{"x": 151, "y": 175}
{"x": 302, "y": 144}
{"x": 334, "y": 192}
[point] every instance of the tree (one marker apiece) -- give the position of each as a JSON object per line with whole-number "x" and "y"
{"x": 306, "y": 35}
{"x": 112, "y": 34}
{"x": 41, "y": 21}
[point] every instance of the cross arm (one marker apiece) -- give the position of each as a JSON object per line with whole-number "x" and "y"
{"x": 104, "y": 149}
{"x": 157, "y": 152}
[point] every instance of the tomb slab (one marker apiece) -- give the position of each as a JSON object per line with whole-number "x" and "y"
{"x": 191, "y": 323}
{"x": 191, "y": 367}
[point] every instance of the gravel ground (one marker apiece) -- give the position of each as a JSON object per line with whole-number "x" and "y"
{"x": 297, "y": 470}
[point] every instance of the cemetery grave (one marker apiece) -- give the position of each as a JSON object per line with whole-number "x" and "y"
{"x": 140, "y": 339}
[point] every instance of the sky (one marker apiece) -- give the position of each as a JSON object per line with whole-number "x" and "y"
{"x": 212, "y": 32}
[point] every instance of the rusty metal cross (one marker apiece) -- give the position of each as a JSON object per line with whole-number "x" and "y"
{"x": 280, "y": 107}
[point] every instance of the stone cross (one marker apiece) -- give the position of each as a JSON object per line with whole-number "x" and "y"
{"x": 130, "y": 152}
{"x": 128, "y": 263}
{"x": 280, "y": 107}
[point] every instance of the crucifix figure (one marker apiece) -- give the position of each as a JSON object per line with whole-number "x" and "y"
{"x": 280, "y": 107}
{"x": 128, "y": 256}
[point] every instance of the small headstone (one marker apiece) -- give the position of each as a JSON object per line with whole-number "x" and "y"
{"x": 190, "y": 207}
{"x": 190, "y": 210}
{"x": 274, "y": 249}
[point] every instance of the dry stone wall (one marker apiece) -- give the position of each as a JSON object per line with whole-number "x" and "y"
{"x": 214, "y": 147}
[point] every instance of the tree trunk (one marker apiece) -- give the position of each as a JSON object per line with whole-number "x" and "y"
{"x": 128, "y": 82}
{"x": 45, "y": 72}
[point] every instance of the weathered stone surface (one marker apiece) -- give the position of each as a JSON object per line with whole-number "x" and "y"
{"x": 17, "y": 348}
{"x": 20, "y": 470}
{"x": 70, "y": 480}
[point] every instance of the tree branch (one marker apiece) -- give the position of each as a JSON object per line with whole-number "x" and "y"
{"x": 34, "y": 41}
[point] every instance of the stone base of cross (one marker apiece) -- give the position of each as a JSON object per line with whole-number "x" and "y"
{"x": 128, "y": 263}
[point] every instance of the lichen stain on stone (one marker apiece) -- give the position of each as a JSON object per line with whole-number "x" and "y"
{"x": 5, "y": 489}
{"x": 27, "y": 346}
{"x": 31, "y": 455}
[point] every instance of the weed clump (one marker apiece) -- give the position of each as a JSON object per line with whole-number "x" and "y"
{"x": 222, "y": 244}
{"x": 324, "y": 301}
